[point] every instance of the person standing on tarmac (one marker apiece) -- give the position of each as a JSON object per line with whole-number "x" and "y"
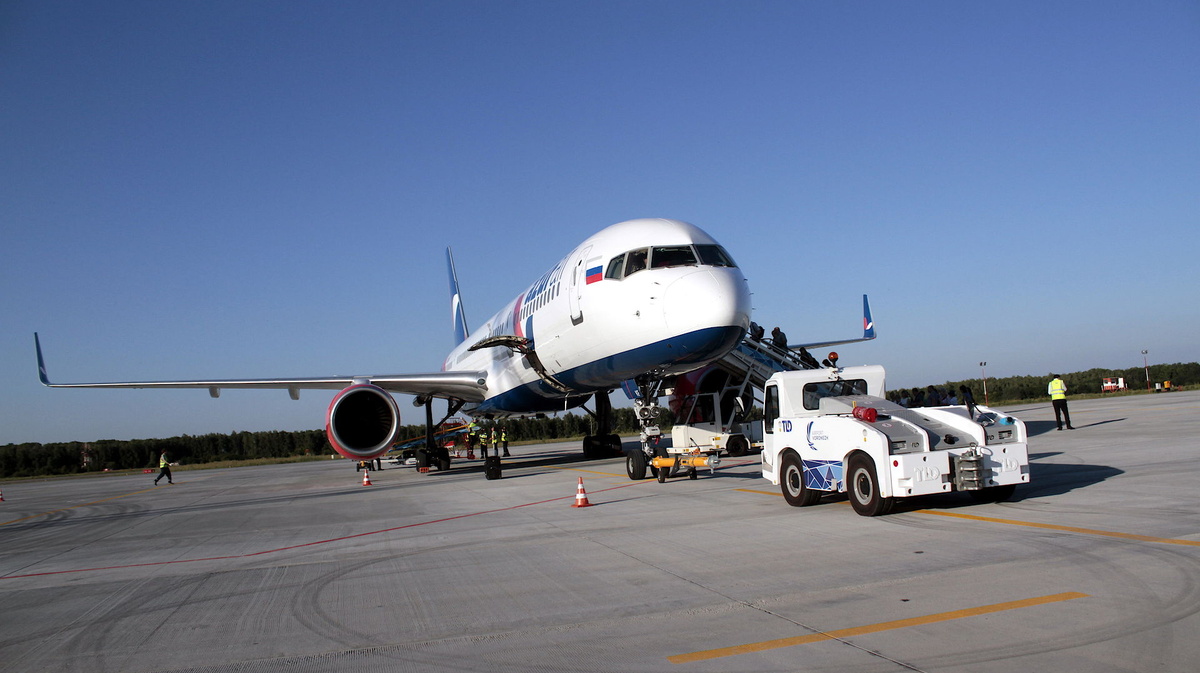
{"x": 164, "y": 469}
{"x": 504, "y": 440}
{"x": 1058, "y": 397}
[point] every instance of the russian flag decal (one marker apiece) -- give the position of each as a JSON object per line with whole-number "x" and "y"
{"x": 595, "y": 274}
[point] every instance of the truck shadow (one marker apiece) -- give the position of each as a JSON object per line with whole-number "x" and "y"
{"x": 1045, "y": 480}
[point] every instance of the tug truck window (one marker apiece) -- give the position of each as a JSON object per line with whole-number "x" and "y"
{"x": 770, "y": 409}
{"x": 813, "y": 392}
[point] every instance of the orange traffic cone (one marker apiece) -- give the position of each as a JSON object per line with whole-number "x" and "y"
{"x": 366, "y": 478}
{"x": 1, "y": 496}
{"x": 581, "y": 496}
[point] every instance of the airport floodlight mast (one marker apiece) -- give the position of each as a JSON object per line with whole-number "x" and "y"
{"x": 1146, "y": 364}
{"x": 983, "y": 368}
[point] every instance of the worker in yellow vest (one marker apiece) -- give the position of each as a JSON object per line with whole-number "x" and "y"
{"x": 1058, "y": 397}
{"x": 164, "y": 469}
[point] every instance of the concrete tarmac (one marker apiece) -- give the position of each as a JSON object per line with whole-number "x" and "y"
{"x": 1094, "y": 566}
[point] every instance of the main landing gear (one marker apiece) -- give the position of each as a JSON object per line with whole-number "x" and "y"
{"x": 432, "y": 454}
{"x": 605, "y": 442}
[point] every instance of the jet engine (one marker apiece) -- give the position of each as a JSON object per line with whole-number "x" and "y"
{"x": 362, "y": 422}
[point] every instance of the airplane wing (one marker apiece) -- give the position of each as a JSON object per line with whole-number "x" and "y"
{"x": 868, "y": 332}
{"x": 468, "y": 386}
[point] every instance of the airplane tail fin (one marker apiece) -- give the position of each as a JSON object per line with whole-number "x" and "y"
{"x": 458, "y": 315}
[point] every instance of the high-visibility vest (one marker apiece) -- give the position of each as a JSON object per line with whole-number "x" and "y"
{"x": 1057, "y": 390}
{"x": 162, "y": 461}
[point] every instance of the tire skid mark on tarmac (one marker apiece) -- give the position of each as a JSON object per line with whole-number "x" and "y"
{"x": 316, "y": 542}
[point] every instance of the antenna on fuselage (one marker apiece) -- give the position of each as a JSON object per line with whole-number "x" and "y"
{"x": 458, "y": 315}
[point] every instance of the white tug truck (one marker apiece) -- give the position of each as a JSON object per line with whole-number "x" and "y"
{"x": 830, "y": 430}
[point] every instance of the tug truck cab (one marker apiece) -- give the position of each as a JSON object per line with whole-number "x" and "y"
{"x": 830, "y": 430}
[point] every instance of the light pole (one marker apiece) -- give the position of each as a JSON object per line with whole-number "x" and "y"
{"x": 983, "y": 368}
{"x": 1146, "y": 364}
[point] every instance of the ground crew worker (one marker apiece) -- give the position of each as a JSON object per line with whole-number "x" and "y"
{"x": 472, "y": 429}
{"x": 504, "y": 440}
{"x": 1058, "y": 397}
{"x": 492, "y": 439}
{"x": 164, "y": 469}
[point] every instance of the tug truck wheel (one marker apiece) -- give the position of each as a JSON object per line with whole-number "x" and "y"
{"x": 737, "y": 446}
{"x": 635, "y": 465}
{"x": 791, "y": 482}
{"x": 862, "y": 484}
{"x": 663, "y": 473}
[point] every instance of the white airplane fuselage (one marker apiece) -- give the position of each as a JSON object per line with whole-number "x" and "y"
{"x": 595, "y": 323}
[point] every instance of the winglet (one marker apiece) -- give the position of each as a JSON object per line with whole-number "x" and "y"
{"x": 41, "y": 361}
{"x": 458, "y": 314}
{"x": 868, "y": 332}
{"x": 868, "y": 323}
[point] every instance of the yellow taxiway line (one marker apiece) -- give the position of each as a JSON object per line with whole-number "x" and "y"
{"x": 1034, "y": 524}
{"x": 1068, "y": 529}
{"x": 871, "y": 628}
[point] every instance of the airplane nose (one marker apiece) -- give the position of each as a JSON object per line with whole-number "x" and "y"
{"x": 707, "y": 298}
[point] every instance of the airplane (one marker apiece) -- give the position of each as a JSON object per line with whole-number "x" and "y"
{"x": 639, "y": 301}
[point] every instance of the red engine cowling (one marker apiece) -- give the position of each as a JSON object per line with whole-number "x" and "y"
{"x": 362, "y": 422}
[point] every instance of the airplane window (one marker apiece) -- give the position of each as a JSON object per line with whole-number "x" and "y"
{"x": 714, "y": 255}
{"x": 636, "y": 261}
{"x": 675, "y": 255}
{"x": 615, "y": 267}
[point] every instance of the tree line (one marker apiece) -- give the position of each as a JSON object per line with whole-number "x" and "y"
{"x": 1017, "y": 388}
{"x": 61, "y": 458}
{"x": 33, "y": 459}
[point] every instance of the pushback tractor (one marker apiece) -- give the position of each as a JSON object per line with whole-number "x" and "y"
{"x": 830, "y": 430}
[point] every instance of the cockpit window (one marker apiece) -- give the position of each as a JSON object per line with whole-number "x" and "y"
{"x": 636, "y": 261}
{"x": 675, "y": 255}
{"x": 714, "y": 255}
{"x": 665, "y": 257}
{"x": 616, "y": 267}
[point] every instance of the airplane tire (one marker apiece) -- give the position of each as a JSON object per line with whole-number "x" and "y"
{"x": 614, "y": 444}
{"x": 862, "y": 484}
{"x": 791, "y": 482}
{"x": 635, "y": 465}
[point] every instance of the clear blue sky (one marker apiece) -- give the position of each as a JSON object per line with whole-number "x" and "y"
{"x": 260, "y": 189}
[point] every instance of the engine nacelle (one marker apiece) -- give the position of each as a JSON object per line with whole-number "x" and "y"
{"x": 362, "y": 422}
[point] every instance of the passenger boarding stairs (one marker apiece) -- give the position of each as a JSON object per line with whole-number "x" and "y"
{"x": 755, "y": 360}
